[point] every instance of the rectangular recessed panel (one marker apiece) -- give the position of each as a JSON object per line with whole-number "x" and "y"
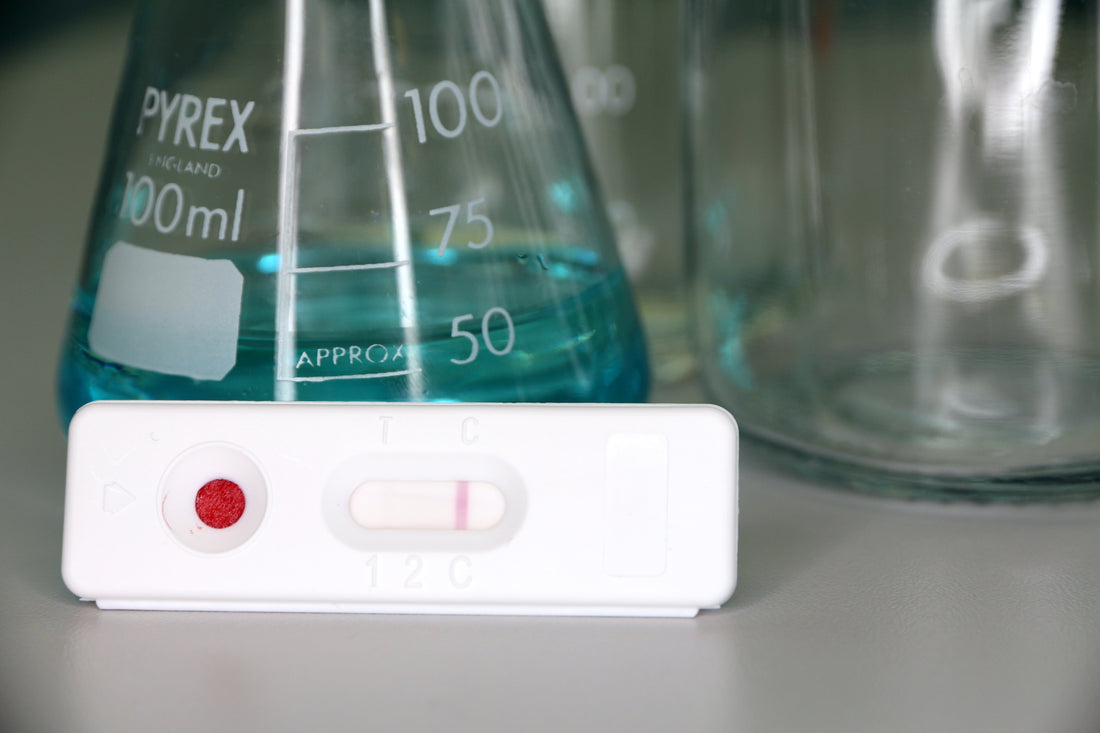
{"x": 636, "y": 487}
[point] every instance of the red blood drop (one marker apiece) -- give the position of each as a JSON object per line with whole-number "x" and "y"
{"x": 219, "y": 503}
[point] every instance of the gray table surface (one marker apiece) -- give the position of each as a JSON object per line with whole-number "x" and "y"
{"x": 851, "y": 614}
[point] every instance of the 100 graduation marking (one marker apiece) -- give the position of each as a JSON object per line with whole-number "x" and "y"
{"x": 454, "y": 128}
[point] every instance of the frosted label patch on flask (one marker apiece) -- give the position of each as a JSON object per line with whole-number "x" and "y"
{"x": 167, "y": 313}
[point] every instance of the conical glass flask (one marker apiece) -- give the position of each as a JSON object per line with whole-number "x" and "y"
{"x": 623, "y": 61}
{"x": 348, "y": 200}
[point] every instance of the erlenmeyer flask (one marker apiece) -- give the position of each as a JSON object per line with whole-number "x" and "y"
{"x": 623, "y": 60}
{"x": 348, "y": 200}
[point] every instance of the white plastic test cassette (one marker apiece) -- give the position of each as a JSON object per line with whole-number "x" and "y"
{"x": 402, "y": 508}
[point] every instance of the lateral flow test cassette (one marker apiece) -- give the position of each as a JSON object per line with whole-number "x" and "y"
{"x": 520, "y": 509}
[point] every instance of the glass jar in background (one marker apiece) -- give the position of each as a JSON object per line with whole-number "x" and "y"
{"x": 894, "y": 214}
{"x": 623, "y": 61}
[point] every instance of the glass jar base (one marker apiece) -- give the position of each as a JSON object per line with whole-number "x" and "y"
{"x": 1051, "y": 486}
{"x": 982, "y": 426}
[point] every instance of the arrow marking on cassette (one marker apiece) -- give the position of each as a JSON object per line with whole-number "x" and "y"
{"x": 116, "y": 498}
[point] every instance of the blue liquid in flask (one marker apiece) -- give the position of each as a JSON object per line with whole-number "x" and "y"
{"x": 582, "y": 345}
